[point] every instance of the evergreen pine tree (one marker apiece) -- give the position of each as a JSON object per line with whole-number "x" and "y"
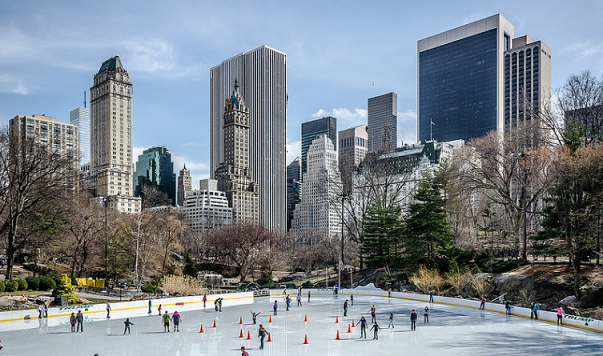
{"x": 379, "y": 242}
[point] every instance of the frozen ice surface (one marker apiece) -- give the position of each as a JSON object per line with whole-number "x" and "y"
{"x": 451, "y": 331}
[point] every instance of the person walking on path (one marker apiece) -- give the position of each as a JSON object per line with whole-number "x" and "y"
{"x": 299, "y": 303}
{"x": 431, "y": 296}
{"x": 536, "y": 307}
{"x": 391, "y": 320}
{"x": 560, "y": 313}
{"x": 159, "y": 309}
{"x": 373, "y": 311}
{"x": 275, "y": 307}
{"x": 375, "y": 330}
{"x": 108, "y": 309}
{"x": 288, "y": 302}
{"x": 261, "y": 335}
{"x": 362, "y": 323}
{"x": 176, "y": 318}
{"x": 345, "y": 308}
{"x": 243, "y": 352}
{"x": 254, "y": 316}
{"x": 508, "y": 307}
{"x": 166, "y": 322}
{"x": 426, "y": 316}
{"x": 150, "y": 305}
{"x": 204, "y": 300}
{"x": 127, "y": 324}
{"x": 482, "y": 305}
{"x": 79, "y": 318}
{"x": 413, "y": 320}
{"x": 72, "y": 321}
{"x": 40, "y": 311}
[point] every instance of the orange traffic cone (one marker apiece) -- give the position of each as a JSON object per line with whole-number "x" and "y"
{"x": 241, "y": 320}
{"x": 337, "y": 338}
{"x": 270, "y": 319}
{"x": 214, "y": 323}
{"x": 241, "y": 334}
{"x": 306, "y": 317}
{"x": 248, "y": 335}
{"x": 349, "y": 329}
{"x": 201, "y": 330}
{"x": 353, "y": 323}
{"x": 269, "y": 338}
{"x": 337, "y": 320}
{"x": 306, "y": 340}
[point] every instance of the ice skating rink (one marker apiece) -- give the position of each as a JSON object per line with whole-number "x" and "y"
{"x": 451, "y": 331}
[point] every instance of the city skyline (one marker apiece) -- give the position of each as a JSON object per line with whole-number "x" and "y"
{"x": 332, "y": 69}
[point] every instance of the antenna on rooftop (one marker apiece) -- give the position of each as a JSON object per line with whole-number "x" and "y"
{"x": 84, "y": 99}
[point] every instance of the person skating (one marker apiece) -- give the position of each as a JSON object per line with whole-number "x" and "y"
{"x": 336, "y": 289}
{"x": 482, "y": 305}
{"x": 345, "y": 308}
{"x": 45, "y": 310}
{"x": 389, "y": 293}
{"x": 108, "y": 309}
{"x": 79, "y": 318}
{"x": 299, "y": 302}
{"x": 243, "y": 352}
{"x": 391, "y": 321}
{"x": 288, "y": 302}
{"x": 426, "y": 315}
{"x": 254, "y": 316}
{"x": 204, "y": 300}
{"x": 373, "y": 312}
{"x": 159, "y": 309}
{"x": 308, "y": 296}
{"x": 72, "y": 322}
{"x": 275, "y": 307}
{"x": 362, "y": 323}
{"x": 166, "y": 322}
{"x": 220, "y": 304}
{"x": 560, "y": 313}
{"x": 40, "y": 311}
{"x": 431, "y": 296}
{"x": 127, "y": 324}
{"x": 536, "y": 307}
{"x": 352, "y": 299}
{"x": 216, "y": 304}
{"x": 375, "y": 330}
{"x": 508, "y": 307}
{"x": 261, "y": 335}
{"x": 176, "y": 318}
{"x": 150, "y": 305}
{"x": 413, "y": 320}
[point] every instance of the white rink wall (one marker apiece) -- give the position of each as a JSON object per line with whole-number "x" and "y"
{"x": 548, "y": 316}
{"x": 27, "y": 319}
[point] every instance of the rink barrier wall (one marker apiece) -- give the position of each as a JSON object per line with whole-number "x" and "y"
{"x": 94, "y": 312}
{"x": 544, "y": 316}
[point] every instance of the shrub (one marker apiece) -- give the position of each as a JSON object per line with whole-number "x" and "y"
{"x": 47, "y": 283}
{"x": 150, "y": 288}
{"x": 33, "y": 283}
{"x": 183, "y": 284}
{"x": 64, "y": 287}
{"x": 2, "y": 286}
{"x": 308, "y": 284}
{"x": 12, "y": 286}
{"x": 22, "y": 284}
{"x": 427, "y": 280}
{"x": 37, "y": 268}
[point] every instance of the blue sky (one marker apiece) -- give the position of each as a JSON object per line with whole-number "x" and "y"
{"x": 339, "y": 54}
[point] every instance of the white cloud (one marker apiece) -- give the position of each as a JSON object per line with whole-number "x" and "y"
{"x": 149, "y": 56}
{"x": 584, "y": 49}
{"x": 343, "y": 115}
{"x": 293, "y": 150}
{"x": 9, "y": 84}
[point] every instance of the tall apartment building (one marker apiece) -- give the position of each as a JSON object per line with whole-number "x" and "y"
{"x": 111, "y": 136}
{"x": 185, "y": 184}
{"x": 293, "y": 188}
{"x": 383, "y": 123}
{"x": 262, "y": 76}
{"x": 310, "y": 130}
{"x": 80, "y": 117}
{"x": 155, "y": 168}
{"x": 477, "y": 78}
{"x": 206, "y": 208}
{"x": 353, "y": 145}
{"x": 58, "y": 137}
{"x": 320, "y": 187}
{"x": 234, "y": 174}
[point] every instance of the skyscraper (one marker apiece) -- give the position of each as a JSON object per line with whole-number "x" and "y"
{"x": 111, "y": 136}
{"x": 80, "y": 117}
{"x": 262, "y": 76}
{"x": 461, "y": 80}
{"x": 235, "y": 177}
{"x": 383, "y": 122}
{"x": 293, "y": 188}
{"x": 353, "y": 145}
{"x": 319, "y": 190}
{"x": 155, "y": 168}
{"x": 185, "y": 184}
{"x": 310, "y": 130}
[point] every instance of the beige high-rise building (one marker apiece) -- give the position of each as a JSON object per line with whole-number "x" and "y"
{"x": 185, "y": 184}
{"x": 111, "y": 136}
{"x": 234, "y": 175}
{"x": 353, "y": 145}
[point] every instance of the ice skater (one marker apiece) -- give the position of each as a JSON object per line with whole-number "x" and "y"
{"x": 345, "y": 308}
{"x": 413, "y": 320}
{"x": 389, "y": 293}
{"x": 482, "y": 305}
{"x": 426, "y": 316}
{"x": 204, "y": 300}
{"x": 299, "y": 303}
{"x": 176, "y": 318}
{"x": 243, "y": 352}
{"x": 254, "y": 316}
{"x": 431, "y": 296}
{"x": 536, "y": 307}
{"x": 108, "y": 309}
{"x": 308, "y": 296}
{"x": 40, "y": 311}
{"x": 288, "y": 302}
{"x": 391, "y": 320}
{"x": 560, "y": 313}
{"x": 79, "y": 318}
{"x": 159, "y": 309}
{"x": 362, "y": 323}
{"x": 352, "y": 299}
{"x": 150, "y": 305}
{"x": 261, "y": 335}
{"x": 508, "y": 307}
{"x": 166, "y": 322}
{"x": 72, "y": 322}
{"x": 275, "y": 307}
{"x": 127, "y": 324}
{"x": 373, "y": 311}
{"x": 375, "y": 330}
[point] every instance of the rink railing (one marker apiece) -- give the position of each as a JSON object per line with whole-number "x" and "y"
{"x": 544, "y": 316}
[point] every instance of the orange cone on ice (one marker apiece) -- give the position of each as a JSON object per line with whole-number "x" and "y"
{"x": 201, "y": 330}
{"x": 337, "y": 320}
{"x": 306, "y": 340}
{"x": 241, "y": 334}
{"x": 349, "y": 329}
{"x": 270, "y": 319}
{"x": 337, "y": 338}
{"x": 241, "y": 320}
{"x": 214, "y": 323}
{"x": 306, "y": 317}
{"x": 269, "y": 338}
{"x": 248, "y": 335}
{"x": 353, "y": 323}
